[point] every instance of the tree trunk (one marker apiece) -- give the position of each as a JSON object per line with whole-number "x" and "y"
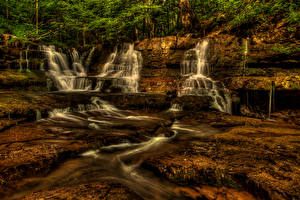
{"x": 185, "y": 15}
{"x": 83, "y": 36}
{"x": 6, "y": 9}
{"x": 37, "y": 16}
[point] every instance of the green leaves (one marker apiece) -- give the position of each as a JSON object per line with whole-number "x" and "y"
{"x": 113, "y": 20}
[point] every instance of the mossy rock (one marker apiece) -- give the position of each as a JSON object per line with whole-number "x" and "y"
{"x": 23, "y": 80}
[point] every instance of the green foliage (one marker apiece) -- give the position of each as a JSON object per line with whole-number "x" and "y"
{"x": 74, "y": 22}
{"x": 286, "y": 49}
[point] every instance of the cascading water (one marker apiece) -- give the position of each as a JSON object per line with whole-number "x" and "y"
{"x": 66, "y": 77}
{"x": 245, "y": 52}
{"x": 21, "y": 62}
{"x": 27, "y": 61}
{"x": 195, "y": 67}
{"x": 89, "y": 58}
{"x": 123, "y": 68}
{"x": 175, "y": 108}
{"x": 121, "y": 162}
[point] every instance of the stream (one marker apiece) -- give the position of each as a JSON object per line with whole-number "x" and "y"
{"x": 121, "y": 162}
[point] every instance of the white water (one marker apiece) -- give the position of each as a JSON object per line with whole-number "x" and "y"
{"x": 38, "y": 115}
{"x": 123, "y": 67}
{"x": 67, "y": 77}
{"x": 99, "y": 105}
{"x": 26, "y": 58}
{"x": 246, "y": 51}
{"x": 121, "y": 70}
{"x": 195, "y": 67}
{"x": 21, "y": 61}
{"x": 89, "y": 58}
{"x": 120, "y": 162}
{"x": 96, "y": 104}
{"x": 175, "y": 108}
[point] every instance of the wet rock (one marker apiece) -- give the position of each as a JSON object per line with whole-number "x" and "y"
{"x": 16, "y": 80}
{"x": 210, "y": 193}
{"x": 194, "y": 103}
{"x": 226, "y": 56}
{"x": 259, "y": 156}
{"x": 29, "y": 149}
{"x": 21, "y": 104}
{"x": 289, "y": 82}
{"x": 93, "y": 191}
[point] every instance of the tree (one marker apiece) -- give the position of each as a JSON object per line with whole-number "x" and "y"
{"x": 83, "y": 22}
{"x": 6, "y": 10}
{"x": 37, "y": 16}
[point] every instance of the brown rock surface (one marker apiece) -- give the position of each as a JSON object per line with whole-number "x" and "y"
{"x": 261, "y": 157}
{"x": 93, "y": 191}
{"x": 258, "y": 156}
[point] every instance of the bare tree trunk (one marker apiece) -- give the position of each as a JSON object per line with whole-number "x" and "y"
{"x": 83, "y": 36}
{"x": 37, "y": 16}
{"x": 148, "y": 21}
{"x": 136, "y": 33}
{"x": 185, "y": 14}
{"x": 6, "y": 9}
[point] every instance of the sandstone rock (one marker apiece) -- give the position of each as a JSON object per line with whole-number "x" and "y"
{"x": 194, "y": 103}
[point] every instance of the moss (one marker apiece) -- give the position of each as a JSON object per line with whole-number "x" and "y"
{"x": 286, "y": 49}
{"x": 176, "y": 55}
{"x": 255, "y": 71}
{"x": 295, "y": 85}
{"x": 18, "y": 76}
{"x": 23, "y": 80}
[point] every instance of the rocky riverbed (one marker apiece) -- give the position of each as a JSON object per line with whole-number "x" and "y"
{"x": 217, "y": 156}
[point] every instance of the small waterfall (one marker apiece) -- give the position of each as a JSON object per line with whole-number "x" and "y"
{"x": 90, "y": 56}
{"x": 21, "y": 61}
{"x": 195, "y": 61}
{"x": 96, "y": 104}
{"x": 245, "y": 53}
{"x": 195, "y": 67}
{"x": 66, "y": 77}
{"x": 123, "y": 67}
{"x": 38, "y": 115}
{"x": 58, "y": 111}
{"x": 27, "y": 60}
{"x": 175, "y": 108}
{"x": 42, "y": 67}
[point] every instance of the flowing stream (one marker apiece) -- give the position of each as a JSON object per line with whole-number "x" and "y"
{"x": 120, "y": 162}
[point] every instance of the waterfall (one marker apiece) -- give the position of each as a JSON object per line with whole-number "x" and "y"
{"x": 120, "y": 73}
{"x": 195, "y": 61}
{"x": 123, "y": 67}
{"x": 195, "y": 67}
{"x": 21, "y": 61}
{"x": 66, "y": 77}
{"x": 95, "y": 104}
{"x": 245, "y": 53}
{"x": 175, "y": 108}
{"x": 38, "y": 115}
{"x": 27, "y": 61}
{"x": 90, "y": 56}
